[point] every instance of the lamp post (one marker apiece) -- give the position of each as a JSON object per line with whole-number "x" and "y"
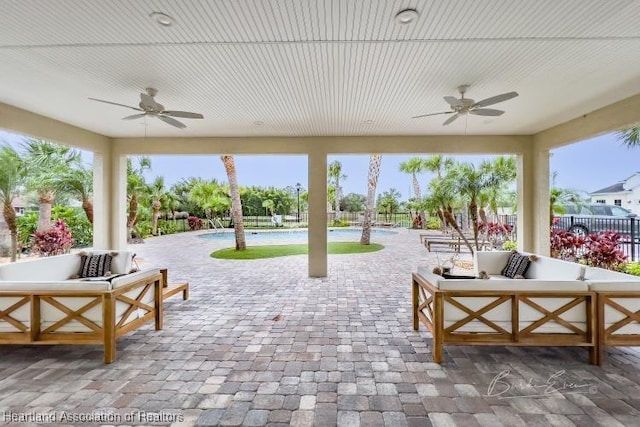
{"x": 298, "y": 188}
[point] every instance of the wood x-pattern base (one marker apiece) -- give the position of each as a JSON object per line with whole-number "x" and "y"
{"x": 74, "y": 327}
{"x": 429, "y": 308}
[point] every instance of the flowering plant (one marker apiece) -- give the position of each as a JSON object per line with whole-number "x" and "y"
{"x": 55, "y": 241}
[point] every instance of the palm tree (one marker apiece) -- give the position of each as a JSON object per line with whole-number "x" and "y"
{"x": 236, "y": 203}
{"x": 559, "y": 198}
{"x": 414, "y": 166}
{"x": 268, "y": 206}
{"x": 157, "y": 194}
{"x": 335, "y": 175}
{"x": 375, "y": 160}
{"x": 471, "y": 182}
{"x": 47, "y": 162}
{"x": 630, "y": 137}
{"x": 504, "y": 170}
{"x": 438, "y": 164}
{"x": 209, "y": 196}
{"x": 389, "y": 202}
{"x": 12, "y": 175}
{"x": 136, "y": 189}
{"x": 79, "y": 183}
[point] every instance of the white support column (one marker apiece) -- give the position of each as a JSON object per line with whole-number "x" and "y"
{"x": 118, "y": 201}
{"x": 533, "y": 201}
{"x": 102, "y": 200}
{"x": 109, "y": 199}
{"x": 317, "y": 214}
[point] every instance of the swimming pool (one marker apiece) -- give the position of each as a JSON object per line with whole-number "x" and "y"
{"x": 252, "y": 235}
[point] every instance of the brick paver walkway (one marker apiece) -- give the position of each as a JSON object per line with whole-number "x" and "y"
{"x": 260, "y": 343}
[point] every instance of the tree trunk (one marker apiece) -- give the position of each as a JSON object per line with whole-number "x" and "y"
{"x": 416, "y": 190}
{"x": 473, "y": 213}
{"x": 374, "y": 172}
{"x": 453, "y": 223}
{"x": 45, "y": 199}
{"x": 10, "y": 218}
{"x": 133, "y": 213}
{"x": 236, "y": 203}
{"x": 155, "y": 206}
{"x": 336, "y": 209}
{"x": 87, "y": 206}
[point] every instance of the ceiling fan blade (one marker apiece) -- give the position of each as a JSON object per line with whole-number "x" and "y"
{"x": 433, "y": 114}
{"x": 453, "y": 101}
{"x": 450, "y": 119}
{"x": 115, "y": 103}
{"x": 149, "y": 101}
{"x": 486, "y": 112}
{"x": 495, "y": 99}
{"x": 135, "y": 116}
{"x": 172, "y": 122}
{"x": 183, "y": 114}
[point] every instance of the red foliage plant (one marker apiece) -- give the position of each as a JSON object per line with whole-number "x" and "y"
{"x": 55, "y": 241}
{"x": 566, "y": 245}
{"x": 194, "y": 222}
{"x": 603, "y": 250}
{"x": 495, "y": 229}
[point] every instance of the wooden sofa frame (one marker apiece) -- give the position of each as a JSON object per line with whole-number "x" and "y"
{"x": 424, "y": 294}
{"x": 106, "y": 334}
{"x": 607, "y": 336}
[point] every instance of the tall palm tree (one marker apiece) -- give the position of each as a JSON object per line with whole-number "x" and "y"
{"x": 236, "y": 203}
{"x": 375, "y": 160}
{"x": 335, "y": 175}
{"x": 47, "y": 161}
{"x": 157, "y": 194}
{"x": 136, "y": 189}
{"x": 471, "y": 182}
{"x": 209, "y": 196}
{"x": 414, "y": 166}
{"x": 444, "y": 195}
{"x": 559, "y": 198}
{"x": 79, "y": 183}
{"x": 12, "y": 175}
{"x": 438, "y": 164}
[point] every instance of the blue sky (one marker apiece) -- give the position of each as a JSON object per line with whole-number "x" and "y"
{"x": 585, "y": 166}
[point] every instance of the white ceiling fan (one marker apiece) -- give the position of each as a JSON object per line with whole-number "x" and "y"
{"x": 150, "y": 107}
{"x": 464, "y": 105}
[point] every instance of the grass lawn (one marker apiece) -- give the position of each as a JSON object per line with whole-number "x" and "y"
{"x": 272, "y": 251}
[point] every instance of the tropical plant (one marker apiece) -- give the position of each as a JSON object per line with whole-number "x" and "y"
{"x": 194, "y": 222}
{"x": 630, "y": 137}
{"x": 12, "y": 174}
{"x": 559, "y": 198}
{"x": 157, "y": 194}
{"x": 210, "y": 196}
{"x": 78, "y": 182}
{"x": 413, "y": 167}
{"x": 268, "y": 206}
{"x": 353, "y": 202}
{"x": 136, "y": 189}
{"x": 389, "y": 202}
{"x": 236, "y": 203}
{"x": 566, "y": 245}
{"x": 603, "y": 250}
{"x": 335, "y": 175}
{"x": 438, "y": 164}
{"x": 375, "y": 161}
{"x": 53, "y": 241}
{"x": 47, "y": 163}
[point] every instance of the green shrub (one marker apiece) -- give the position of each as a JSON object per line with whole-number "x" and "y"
{"x": 27, "y": 225}
{"x": 167, "y": 227}
{"x": 509, "y": 245}
{"x": 632, "y": 268}
{"x": 142, "y": 229}
{"x": 433, "y": 223}
{"x": 74, "y": 218}
{"x": 339, "y": 223}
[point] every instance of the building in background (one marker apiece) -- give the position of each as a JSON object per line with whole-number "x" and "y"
{"x": 625, "y": 193}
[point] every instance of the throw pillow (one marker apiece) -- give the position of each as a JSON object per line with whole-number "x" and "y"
{"x": 517, "y": 265}
{"x": 95, "y": 265}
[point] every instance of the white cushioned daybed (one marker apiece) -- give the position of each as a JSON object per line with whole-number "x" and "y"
{"x": 42, "y": 302}
{"x": 557, "y": 303}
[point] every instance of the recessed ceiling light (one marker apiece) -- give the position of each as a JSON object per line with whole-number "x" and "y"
{"x": 406, "y": 16}
{"x": 258, "y": 123}
{"x": 161, "y": 19}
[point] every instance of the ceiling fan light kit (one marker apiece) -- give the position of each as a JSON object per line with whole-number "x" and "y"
{"x": 149, "y": 107}
{"x": 462, "y": 106}
{"x": 406, "y": 16}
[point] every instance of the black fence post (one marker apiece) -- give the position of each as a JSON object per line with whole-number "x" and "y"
{"x": 633, "y": 239}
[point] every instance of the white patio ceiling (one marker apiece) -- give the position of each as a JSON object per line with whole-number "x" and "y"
{"x": 325, "y": 67}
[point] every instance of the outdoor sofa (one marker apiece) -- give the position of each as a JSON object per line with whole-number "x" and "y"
{"x": 557, "y": 303}
{"x": 42, "y": 302}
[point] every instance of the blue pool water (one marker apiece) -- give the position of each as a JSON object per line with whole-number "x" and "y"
{"x": 252, "y": 235}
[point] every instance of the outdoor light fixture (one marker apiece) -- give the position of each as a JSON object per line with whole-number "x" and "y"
{"x": 298, "y": 188}
{"x": 161, "y": 19}
{"x": 406, "y": 16}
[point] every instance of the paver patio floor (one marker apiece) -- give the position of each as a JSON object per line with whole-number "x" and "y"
{"x": 260, "y": 343}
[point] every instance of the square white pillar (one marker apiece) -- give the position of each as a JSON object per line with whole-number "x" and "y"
{"x": 533, "y": 226}
{"x": 109, "y": 200}
{"x": 317, "y": 214}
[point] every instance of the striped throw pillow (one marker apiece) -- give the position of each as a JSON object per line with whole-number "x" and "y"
{"x": 95, "y": 265}
{"x": 517, "y": 265}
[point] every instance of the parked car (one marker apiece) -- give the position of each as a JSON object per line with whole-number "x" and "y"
{"x": 594, "y": 218}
